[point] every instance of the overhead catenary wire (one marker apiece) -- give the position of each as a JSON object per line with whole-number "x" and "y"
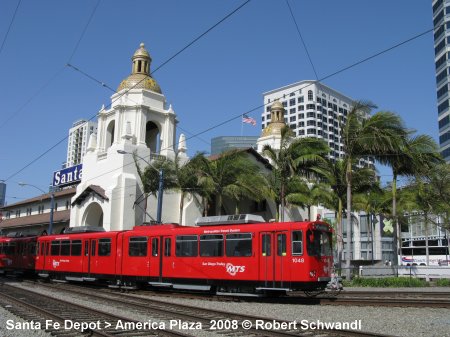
{"x": 303, "y": 41}
{"x": 9, "y": 27}
{"x": 56, "y": 74}
{"x": 258, "y": 107}
{"x": 126, "y": 91}
{"x": 84, "y": 31}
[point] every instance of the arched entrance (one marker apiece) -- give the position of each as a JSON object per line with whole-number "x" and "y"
{"x": 93, "y": 216}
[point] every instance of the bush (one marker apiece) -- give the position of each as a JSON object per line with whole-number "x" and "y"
{"x": 386, "y": 282}
{"x": 443, "y": 282}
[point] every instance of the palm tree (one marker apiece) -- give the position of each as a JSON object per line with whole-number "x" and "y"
{"x": 333, "y": 173}
{"x": 295, "y": 156}
{"x": 376, "y": 201}
{"x": 375, "y": 136}
{"x": 187, "y": 182}
{"x": 232, "y": 175}
{"x": 150, "y": 177}
{"x": 304, "y": 194}
{"x": 416, "y": 155}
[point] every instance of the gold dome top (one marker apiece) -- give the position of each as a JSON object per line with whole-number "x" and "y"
{"x": 276, "y": 120}
{"x": 140, "y": 73}
{"x": 141, "y": 52}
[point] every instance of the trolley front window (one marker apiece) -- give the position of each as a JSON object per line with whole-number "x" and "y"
{"x": 318, "y": 243}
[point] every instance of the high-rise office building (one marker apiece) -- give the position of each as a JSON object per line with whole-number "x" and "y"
{"x": 78, "y": 141}
{"x": 224, "y": 143}
{"x": 441, "y": 22}
{"x": 312, "y": 109}
{"x": 2, "y": 194}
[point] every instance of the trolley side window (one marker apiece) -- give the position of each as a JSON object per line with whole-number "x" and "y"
{"x": 10, "y": 248}
{"x": 104, "y": 247}
{"x": 167, "y": 245}
{"x": 186, "y": 246}
{"x": 65, "y": 247}
{"x": 281, "y": 244}
{"x": 1, "y": 248}
{"x": 211, "y": 245}
{"x": 137, "y": 246}
{"x": 266, "y": 245}
{"x": 32, "y": 248}
{"x": 297, "y": 243}
{"x": 155, "y": 246}
{"x": 75, "y": 248}
{"x": 239, "y": 244}
{"x": 55, "y": 247}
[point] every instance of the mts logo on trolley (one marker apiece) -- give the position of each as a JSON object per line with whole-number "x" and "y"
{"x": 233, "y": 270}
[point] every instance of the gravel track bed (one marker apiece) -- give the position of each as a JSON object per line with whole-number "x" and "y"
{"x": 5, "y": 315}
{"x": 404, "y": 322}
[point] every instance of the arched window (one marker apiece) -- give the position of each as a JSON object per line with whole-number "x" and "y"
{"x": 110, "y": 133}
{"x": 152, "y": 137}
{"x": 310, "y": 95}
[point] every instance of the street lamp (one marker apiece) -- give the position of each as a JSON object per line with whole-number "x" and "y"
{"x": 52, "y": 204}
{"x": 160, "y": 186}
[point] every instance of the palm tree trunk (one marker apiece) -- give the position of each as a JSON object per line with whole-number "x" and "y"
{"x": 309, "y": 213}
{"x": 181, "y": 208}
{"x": 340, "y": 235}
{"x": 205, "y": 206}
{"x": 397, "y": 235}
{"x": 427, "y": 250}
{"x": 277, "y": 211}
{"x": 349, "y": 220}
{"x": 219, "y": 204}
{"x": 282, "y": 203}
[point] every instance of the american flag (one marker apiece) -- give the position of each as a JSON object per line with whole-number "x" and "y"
{"x": 249, "y": 120}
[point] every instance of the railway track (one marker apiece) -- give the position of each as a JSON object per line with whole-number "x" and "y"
{"x": 389, "y": 299}
{"x": 211, "y": 321}
{"x": 63, "y": 318}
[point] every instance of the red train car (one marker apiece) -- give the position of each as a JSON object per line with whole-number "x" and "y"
{"x": 17, "y": 254}
{"x": 235, "y": 255}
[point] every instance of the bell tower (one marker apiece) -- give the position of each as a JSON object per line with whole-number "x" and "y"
{"x": 138, "y": 121}
{"x": 271, "y": 135}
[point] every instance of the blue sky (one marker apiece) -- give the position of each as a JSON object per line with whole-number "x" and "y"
{"x": 221, "y": 76}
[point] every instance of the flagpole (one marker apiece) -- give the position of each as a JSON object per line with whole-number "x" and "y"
{"x": 242, "y": 125}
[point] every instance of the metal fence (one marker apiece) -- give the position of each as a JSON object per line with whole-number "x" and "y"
{"x": 424, "y": 272}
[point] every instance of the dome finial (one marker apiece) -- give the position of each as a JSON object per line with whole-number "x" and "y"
{"x": 140, "y": 77}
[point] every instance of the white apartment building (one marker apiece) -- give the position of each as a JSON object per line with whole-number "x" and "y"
{"x": 441, "y": 22}
{"x": 78, "y": 140}
{"x": 312, "y": 109}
